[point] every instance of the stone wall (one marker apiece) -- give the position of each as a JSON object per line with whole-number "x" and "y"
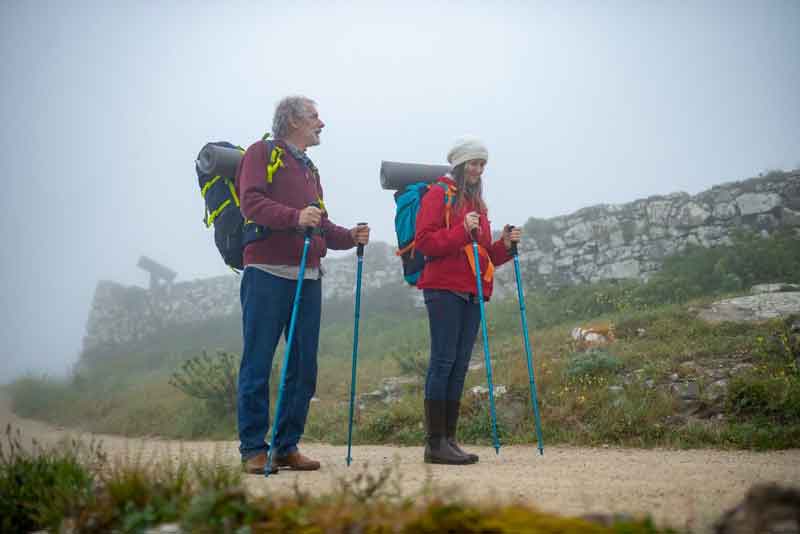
{"x": 120, "y": 314}
{"x": 631, "y": 240}
{"x": 600, "y": 242}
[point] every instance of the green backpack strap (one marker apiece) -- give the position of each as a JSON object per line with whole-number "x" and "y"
{"x": 274, "y": 157}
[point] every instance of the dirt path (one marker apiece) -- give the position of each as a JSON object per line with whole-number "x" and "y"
{"x": 678, "y": 488}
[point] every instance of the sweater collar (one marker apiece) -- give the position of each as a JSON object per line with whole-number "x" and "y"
{"x": 299, "y": 155}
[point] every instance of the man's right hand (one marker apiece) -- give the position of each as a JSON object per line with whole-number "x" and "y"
{"x": 310, "y": 217}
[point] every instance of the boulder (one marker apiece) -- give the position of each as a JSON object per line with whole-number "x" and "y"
{"x": 766, "y": 509}
{"x": 760, "y": 307}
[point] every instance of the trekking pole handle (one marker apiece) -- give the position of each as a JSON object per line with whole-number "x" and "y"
{"x": 474, "y": 234}
{"x": 360, "y": 250}
{"x": 310, "y": 229}
{"x": 510, "y": 227}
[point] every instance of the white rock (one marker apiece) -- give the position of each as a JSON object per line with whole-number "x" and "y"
{"x": 752, "y": 203}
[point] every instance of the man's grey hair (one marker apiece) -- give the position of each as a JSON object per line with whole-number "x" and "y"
{"x": 293, "y": 107}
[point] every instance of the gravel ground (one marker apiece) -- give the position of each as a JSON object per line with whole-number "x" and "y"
{"x": 677, "y": 488}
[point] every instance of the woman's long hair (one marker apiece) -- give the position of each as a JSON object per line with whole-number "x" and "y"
{"x": 465, "y": 192}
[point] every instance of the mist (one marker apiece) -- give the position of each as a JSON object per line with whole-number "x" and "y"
{"x": 106, "y": 105}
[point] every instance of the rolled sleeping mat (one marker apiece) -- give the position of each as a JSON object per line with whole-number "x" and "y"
{"x": 216, "y": 160}
{"x": 397, "y": 175}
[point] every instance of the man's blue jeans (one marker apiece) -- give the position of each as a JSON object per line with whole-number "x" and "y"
{"x": 266, "y": 311}
{"x": 454, "y": 325}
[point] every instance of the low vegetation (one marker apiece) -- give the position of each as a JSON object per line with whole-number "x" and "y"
{"x": 668, "y": 379}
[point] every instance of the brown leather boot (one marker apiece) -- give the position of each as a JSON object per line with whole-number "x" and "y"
{"x": 296, "y": 462}
{"x": 437, "y": 449}
{"x": 256, "y": 465}
{"x": 452, "y": 410}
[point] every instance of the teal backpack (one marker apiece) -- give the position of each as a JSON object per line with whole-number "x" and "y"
{"x": 407, "y": 202}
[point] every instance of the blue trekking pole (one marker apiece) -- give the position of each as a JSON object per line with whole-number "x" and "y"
{"x": 360, "y": 255}
{"x": 521, "y": 297}
{"x": 486, "y": 355}
{"x": 301, "y": 274}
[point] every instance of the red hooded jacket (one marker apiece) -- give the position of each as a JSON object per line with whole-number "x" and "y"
{"x": 447, "y": 265}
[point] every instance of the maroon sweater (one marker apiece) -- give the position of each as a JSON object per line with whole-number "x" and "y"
{"x": 277, "y": 206}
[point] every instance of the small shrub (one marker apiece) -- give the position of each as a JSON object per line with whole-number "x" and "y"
{"x": 214, "y": 511}
{"x": 40, "y": 487}
{"x": 783, "y": 346}
{"x": 212, "y": 379}
{"x": 400, "y": 423}
{"x": 134, "y": 496}
{"x": 34, "y": 397}
{"x": 772, "y": 396}
{"x": 595, "y": 361}
{"x": 475, "y": 425}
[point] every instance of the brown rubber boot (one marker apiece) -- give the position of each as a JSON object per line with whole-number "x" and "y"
{"x": 437, "y": 449}
{"x": 256, "y": 465}
{"x": 452, "y": 410}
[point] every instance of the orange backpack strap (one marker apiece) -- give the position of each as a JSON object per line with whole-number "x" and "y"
{"x": 449, "y": 199}
{"x": 489, "y": 274}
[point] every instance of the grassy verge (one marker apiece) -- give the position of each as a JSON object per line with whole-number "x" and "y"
{"x": 669, "y": 379}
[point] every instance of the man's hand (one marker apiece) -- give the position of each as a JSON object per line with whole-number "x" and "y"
{"x": 472, "y": 221}
{"x": 511, "y": 235}
{"x": 310, "y": 217}
{"x": 360, "y": 234}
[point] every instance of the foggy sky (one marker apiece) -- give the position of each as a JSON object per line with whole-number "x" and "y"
{"x": 106, "y": 104}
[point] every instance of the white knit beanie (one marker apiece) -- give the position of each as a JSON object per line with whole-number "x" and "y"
{"x": 467, "y": 148}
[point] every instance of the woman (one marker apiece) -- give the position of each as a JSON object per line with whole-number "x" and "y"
{"x": 451, "y": 215}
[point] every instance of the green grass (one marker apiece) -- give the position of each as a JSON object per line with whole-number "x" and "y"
{"x": 585, "y": 398}
{"x": 39, "y": 486}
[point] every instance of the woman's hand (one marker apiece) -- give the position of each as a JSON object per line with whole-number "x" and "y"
{"x": 511, "y": 234}
{"x": 360, "y": 234}
{"x": 472, "y": 221}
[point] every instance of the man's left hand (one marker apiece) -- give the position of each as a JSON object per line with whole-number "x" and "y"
{"x": 360, "y": 234}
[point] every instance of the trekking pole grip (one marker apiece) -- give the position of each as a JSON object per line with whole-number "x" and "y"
{"x": 310, "y": 229}
{"x": 513, "y": 243}
{"x": 360, "y": 250}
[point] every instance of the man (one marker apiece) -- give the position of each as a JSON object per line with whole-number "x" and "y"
{"x": 277, "y": 203}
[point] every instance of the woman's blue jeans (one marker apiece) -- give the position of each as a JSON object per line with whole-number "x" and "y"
{"x": 266, "y": 311}
{"x": 454, "y": 325}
